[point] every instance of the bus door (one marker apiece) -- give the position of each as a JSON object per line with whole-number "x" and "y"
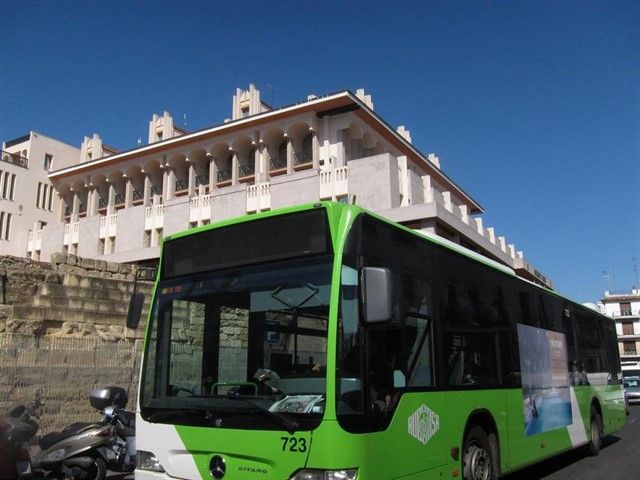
{"x": 404, "y": 409}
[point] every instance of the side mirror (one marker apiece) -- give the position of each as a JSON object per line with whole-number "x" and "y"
{"x": 136, "y": 302}
{"x": 376, "y": 294}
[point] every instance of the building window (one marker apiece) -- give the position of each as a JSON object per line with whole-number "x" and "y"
{"x": 627, "y": 328}
{"x": 244, "y": 112}
{"x": 44, "y": 196}
{"x": 629, "y": 348}
{"x": 48, "y": 161}
{"x": 625, "y": 309}
{"x": 7, "y": 185}
{"x": 5, "y": 225}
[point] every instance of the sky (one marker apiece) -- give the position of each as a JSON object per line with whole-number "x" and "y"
{"x": 532, "y": 107}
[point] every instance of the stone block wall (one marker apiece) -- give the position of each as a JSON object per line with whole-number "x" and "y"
{"x": 63, "y": 332}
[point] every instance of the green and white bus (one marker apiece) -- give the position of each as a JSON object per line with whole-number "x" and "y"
{"x": 323, "y": 342}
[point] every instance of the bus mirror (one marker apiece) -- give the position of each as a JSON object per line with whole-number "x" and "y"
{"x": 136, "y": 302}
{"x": 376, "y": 294}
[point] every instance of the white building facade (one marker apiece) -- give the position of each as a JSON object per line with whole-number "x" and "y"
{"x": 118, "y": 206}
{"x": 28, "y": 201}
{"x": 625, "y": 310}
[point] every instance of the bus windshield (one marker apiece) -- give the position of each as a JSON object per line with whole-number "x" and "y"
{"x": 240, "y": 348}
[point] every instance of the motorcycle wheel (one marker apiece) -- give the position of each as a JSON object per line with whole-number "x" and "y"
{"x": 97, "y": 470}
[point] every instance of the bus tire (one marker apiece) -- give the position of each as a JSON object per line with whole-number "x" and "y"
{"x": 478, "y": 456}
{"x": 595, "y": 433}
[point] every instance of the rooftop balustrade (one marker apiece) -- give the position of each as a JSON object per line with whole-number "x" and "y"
{"x": 15, "y": 159}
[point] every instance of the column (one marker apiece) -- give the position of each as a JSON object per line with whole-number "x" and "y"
{"x": 171, "y": 183}
{"x": 213, "y": 173}
{"x": 289, "y": 154}
{"x": 62, "y": 207}
{"x": 76, "y": 207}
{"x": 146, "y": 188}
{"x": 92, "y": 201}
{"x": 128, "y": 192}
{"x": 166, "y": 184}
{"x": 256, "y": 164}
{"x": 315, "y": 148}
{"x": 234, "y": 169}
{"x": 192, "y": 177}
{"x": 112, "y": 199}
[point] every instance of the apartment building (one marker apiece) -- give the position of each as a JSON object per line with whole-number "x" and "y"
{"x": 117, "y": 206}
{"x": 28, "y": 202}
{"x": 624, "y": 307}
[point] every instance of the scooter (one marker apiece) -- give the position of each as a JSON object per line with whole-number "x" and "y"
{"x": 83, "y": 451}
{"x": 16, "y": 430}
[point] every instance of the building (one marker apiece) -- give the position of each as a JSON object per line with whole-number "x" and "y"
{"x": 27, "y": 199}
{"x": 118, "y": 206}
{"x": 625, "y": 310}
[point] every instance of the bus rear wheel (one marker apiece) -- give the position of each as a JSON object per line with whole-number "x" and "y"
{"x": 478, "y": 457}
{"x": 595, "y": 433}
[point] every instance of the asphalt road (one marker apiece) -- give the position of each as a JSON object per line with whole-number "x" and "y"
{"x": 619, "y": 459}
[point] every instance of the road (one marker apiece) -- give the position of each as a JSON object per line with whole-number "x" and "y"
{"x": 618, "y": 459}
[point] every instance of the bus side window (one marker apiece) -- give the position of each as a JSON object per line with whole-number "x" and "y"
{"x": 418, "y": 333}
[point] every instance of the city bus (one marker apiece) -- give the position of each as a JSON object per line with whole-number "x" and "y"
{"x": 324, "y": 342}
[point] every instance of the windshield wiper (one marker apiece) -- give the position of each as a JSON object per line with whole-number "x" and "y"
{"x": 290, "y": 425}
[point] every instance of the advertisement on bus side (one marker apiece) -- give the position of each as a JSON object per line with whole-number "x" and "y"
{"x": 545, "y": 379}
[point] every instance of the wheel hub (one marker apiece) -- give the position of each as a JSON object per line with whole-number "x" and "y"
{"x": 477, "y": 463}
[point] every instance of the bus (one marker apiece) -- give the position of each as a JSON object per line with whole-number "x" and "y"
{"x": 631, "y": 382}
{"x": 324, "y": 342}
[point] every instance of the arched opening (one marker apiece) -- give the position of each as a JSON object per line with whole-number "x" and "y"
{"x": 245, "y": 151}
{"x": 302, "y": 139}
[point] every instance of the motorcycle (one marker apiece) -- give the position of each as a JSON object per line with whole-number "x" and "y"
{"x": 84, "y": 451}
{"x": 16, "y": 430}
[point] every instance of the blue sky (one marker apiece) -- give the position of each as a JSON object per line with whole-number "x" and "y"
{"x": 533, "y": 108}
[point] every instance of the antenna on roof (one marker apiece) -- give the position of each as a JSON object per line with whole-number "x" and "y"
{"x": 271, "y": 89}
{"x": 605, "y": 274}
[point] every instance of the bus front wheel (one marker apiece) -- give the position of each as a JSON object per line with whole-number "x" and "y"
{"x": 478, "y": 459}
{"x": 595, "y": 432}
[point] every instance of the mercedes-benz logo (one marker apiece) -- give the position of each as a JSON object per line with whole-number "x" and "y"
{"x": 217, "y": 467}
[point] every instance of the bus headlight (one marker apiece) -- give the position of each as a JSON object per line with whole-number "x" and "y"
{"x": 312, "y": 474}
{"x": 148, "y": 461}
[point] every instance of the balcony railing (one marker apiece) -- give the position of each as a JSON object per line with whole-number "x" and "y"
{"x": 202, "y": 180}
{"x": 103, "y": 202}
{"x": 15, "y": 159}
{"x": 156, "y": 190}
{"x": 278, "y": 162}
{"x": 181, "y": 184}
{"x": 138, "y": 195}
{"x": 224, "y": 175}
{"x": 626, "y": 313}
{"x": 247, "y": 170}
{"x": 301, "y": 158}
{"x": 119, "y": 198}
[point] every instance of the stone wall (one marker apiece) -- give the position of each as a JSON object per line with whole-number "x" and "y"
{"x": 63, "y": 332}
